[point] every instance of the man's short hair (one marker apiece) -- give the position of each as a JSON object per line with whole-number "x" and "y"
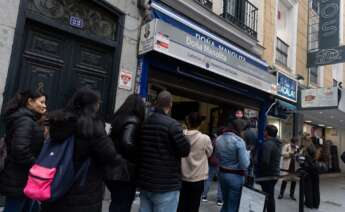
{"x": 237, "y": 124}
{"x": 271, "y": 130}
{"x": 164, "y": 99}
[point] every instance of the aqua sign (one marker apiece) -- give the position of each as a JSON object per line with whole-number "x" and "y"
{"x": 287, "y": 87}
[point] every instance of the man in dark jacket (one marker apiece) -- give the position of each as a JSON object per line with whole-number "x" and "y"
{"x": 162, "y": 145}
{"x": 270, "y": 164}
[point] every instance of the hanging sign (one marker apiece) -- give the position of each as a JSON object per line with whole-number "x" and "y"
{"x": 329, "y": 24}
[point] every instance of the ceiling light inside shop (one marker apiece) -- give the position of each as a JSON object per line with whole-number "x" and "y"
{"x": 321, "y": 112}
{"x": 329, "y": 127}
{"x": 308, "y": 121}
{"x": 321, "y": 125}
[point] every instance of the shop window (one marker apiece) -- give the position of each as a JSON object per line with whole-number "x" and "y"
{"x": 314, "y": 75}
{"x": 281, "y": 52}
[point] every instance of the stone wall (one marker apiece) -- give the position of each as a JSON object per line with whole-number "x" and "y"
{"x": 8, "y": 20}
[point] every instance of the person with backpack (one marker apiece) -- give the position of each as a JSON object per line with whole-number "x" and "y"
{"x": 79, "y": 121}
{"x": 125, "y": 132}
{"x": 24, "y": 140}
{"x": 195, "y": 166}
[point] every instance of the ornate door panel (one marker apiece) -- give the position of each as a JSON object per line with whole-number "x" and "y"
{"x": 43, "y": 62}
{"x": 59, "y": 63}
{"x": 91, "y": 66}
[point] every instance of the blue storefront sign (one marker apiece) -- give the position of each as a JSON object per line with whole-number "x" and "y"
{"x": 287, "y": 87}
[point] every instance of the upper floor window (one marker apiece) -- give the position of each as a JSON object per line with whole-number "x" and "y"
{"x": 314, "y": 75}
{"x": 206, "y": 3}
{"x": 315, "y": 5}
{"x": 282, "y": 52}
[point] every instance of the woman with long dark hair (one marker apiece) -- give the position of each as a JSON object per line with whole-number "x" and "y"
{"x": 80, "y": 119}
{"x": 24, "y": 140}
{"x": 125, "y": 129}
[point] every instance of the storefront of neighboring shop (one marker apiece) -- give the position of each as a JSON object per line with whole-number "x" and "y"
{"x": 204, "y": 72}
{"x": 282, "y": 114}
{"x": 324, "y": 117}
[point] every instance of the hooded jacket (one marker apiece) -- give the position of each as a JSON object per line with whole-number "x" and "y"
{"x": 195, "y": 166}
{"x": 99, "y": 149}
{"x": 24, "y": 140}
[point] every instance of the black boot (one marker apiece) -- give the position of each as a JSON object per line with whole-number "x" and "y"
{"x": 282, "y": 190}
{"x": 292, "y": 190}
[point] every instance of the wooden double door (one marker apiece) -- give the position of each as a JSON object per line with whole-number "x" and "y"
{"x": 59, "y": 63}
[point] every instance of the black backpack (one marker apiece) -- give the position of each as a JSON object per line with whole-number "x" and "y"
{"x": 343, "y": 157}
{"x": 3, "y": 153}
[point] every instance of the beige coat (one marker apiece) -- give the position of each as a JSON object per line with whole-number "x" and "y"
{"x": 287, "y": 156}
{"x": 195, "y": 166}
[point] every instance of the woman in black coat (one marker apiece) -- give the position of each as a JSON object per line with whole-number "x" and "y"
{"x": 80, "y": 119}
{"x": 24, "y": 140}
{"x": 312, "y": 181}
{"x": 125, "y": 131}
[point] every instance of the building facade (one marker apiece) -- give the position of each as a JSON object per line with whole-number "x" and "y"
{"x": 58, "y": 46}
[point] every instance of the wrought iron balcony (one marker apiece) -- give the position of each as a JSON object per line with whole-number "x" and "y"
{"x": 242, "y": 13}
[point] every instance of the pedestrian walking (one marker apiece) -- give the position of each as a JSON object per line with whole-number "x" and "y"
{"x": 234, "y": 161}
{"x": 270, "y": 164}
{"x": 80, "y": 119}
{"x": 125, "y": 132}
{"x": 213, "y": 171}
{"x": 162, "y": 146}
{"x": 195, "y": 166}
{"x": 288, "y": 164}
{"x": 24, "y": 140}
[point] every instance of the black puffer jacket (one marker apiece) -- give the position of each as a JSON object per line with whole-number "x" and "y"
{"x": 24, "y": 138}
{"x": 125, "y": 135}
{"x": 99, "y": 149}
{"x": 162, "y": 145}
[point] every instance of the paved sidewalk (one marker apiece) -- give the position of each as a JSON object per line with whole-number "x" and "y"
{"x": 332, "y": 198}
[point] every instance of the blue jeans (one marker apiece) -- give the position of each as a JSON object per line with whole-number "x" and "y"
{"x": 212, "y": 172}
{"x": 21, "y": 204}
{"x": 159, "y": 201}
{"x": 231, "y": 185}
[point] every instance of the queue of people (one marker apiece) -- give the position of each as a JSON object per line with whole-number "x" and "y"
{"x": 150, "y": 152}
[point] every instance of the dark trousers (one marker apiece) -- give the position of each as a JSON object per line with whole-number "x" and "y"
{"x": 292, "y": 188}
{"x": 190, "y": 196}
{"x": 122, "y": 196}
{"x": 268, "y": 188}
{"x": 312, "y": 190}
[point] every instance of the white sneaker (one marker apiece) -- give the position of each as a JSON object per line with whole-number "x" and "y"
{"x": 204, "y": 199}
{"x": 219, "y": 203}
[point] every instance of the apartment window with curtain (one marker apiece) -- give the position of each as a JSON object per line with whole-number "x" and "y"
{"x": 282, "y": 52}
{"x": 314, "y": 75}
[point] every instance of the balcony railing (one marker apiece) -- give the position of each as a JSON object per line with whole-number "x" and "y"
{"x": 242, "y": 13}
